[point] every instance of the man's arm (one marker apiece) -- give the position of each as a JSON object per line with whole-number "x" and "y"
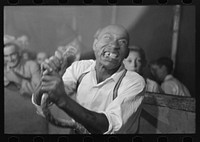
{"x": 94, "y": 122}
{"x": 35, "y": 73}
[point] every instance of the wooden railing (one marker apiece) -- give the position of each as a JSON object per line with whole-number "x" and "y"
{"x": 163, "y": 113}
{"x": 170, "y": 101}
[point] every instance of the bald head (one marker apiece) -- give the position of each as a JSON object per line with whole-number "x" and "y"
{"x": 116, "y": 29}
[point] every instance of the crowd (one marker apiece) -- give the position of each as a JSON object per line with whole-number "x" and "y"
{"x": 109, "y": 90}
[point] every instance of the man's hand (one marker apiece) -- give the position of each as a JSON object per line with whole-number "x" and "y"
{"x": 52, "y": 84}
{"x": 53, "y": 63}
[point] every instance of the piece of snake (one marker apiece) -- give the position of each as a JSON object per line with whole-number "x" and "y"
{"x": 79, "y": 129}
{"x": 58, "y": 121}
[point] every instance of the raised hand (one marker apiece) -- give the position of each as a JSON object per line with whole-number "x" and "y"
{"x": 52, "y": 84}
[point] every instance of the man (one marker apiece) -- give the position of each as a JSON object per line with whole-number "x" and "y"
{"x": 24, "y": 74}
{"x": 41, "y": 57}
{"x": 161, "y": 69}
{"x": 95, "y": 107}
{"x": 136, "y": 61}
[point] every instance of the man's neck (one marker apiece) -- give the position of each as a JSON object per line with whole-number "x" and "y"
{"x": 103, "y": 73}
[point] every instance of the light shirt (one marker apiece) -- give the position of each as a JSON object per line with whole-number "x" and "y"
{"x": 123, "y": 112}
{"x": 152, "y": 86}
{"x": 26, "y": 75}
{"x": 173, "y": 86}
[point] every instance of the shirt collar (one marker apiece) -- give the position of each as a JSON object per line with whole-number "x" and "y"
{"x": 168, "y": 77}
{"x": 115, "y": 76}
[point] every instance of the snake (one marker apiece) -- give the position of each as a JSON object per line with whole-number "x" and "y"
{"x": 59, "y": 122}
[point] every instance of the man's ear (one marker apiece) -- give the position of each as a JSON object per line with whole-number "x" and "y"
{"x": 96, "y": 35}
{"x": 94, "y": 43}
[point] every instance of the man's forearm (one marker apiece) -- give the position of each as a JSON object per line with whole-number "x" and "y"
{"x": 92, "y": 121}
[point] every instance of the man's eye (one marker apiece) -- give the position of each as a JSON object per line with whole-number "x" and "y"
{"x": 107, "y": 37}
{"x": 123, "y": 42}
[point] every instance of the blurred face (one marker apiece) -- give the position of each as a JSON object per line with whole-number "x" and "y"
{"x": 41, "y": 57}
{"x": 25, "y": 56}
{"x": 111, "y": 47}
{"x": 11, "y": 56}
{"x": 133, "y": 62}
{"x": 158, "y": 72}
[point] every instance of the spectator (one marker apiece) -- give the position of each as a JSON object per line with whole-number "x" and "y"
{"x": 41, "y": 57}
{"x": 24, "y": 74}
{"x": 27, "y": 54}
{"x": 136, "y": 61}
{"x": 161, "y": 69}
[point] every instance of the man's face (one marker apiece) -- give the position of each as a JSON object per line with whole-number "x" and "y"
{"x": 133, "y": 62}
{"x": 111, "y": 47}
{"x": 11, "y": 55}
{"x": 158, "y": 72}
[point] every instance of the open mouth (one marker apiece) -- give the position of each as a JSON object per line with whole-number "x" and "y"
{"x": 111, "y": 55}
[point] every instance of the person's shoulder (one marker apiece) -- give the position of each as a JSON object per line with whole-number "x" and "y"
{"x": 134, "y": 77}
{"x": 82, "y": 64}
{"x": 150, "y": 81}
{"x": 31, "y": 64}
{"x": 168, "y": 84}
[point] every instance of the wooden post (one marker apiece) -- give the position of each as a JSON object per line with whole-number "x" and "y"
{"x": 176, "y": 23}
{"x": 114, "y": 12}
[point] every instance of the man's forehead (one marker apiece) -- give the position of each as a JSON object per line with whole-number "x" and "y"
{"x": 117, "y": 30}
{"x": 10, "y": 48}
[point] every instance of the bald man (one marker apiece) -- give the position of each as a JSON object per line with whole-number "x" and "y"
{"x": 99, "y": 106}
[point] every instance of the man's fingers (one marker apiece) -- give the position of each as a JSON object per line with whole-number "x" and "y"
{"x": 55, "y": 62}
{"x": 45, "y": 66}
{"x": 50, "y": 64}
{"x": 58, "y": 54}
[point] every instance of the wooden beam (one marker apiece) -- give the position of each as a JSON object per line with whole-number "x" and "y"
{"x": 176, "y": 23}
{"x": 170, "y": 101}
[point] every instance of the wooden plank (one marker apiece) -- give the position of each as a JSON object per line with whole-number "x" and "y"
{"x": 170, "y": 101}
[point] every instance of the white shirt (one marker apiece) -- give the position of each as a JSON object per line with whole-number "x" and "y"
{"x": 173, "y": 86}
{"x": 152, "y": 86}
{"x": 123, "y": 112}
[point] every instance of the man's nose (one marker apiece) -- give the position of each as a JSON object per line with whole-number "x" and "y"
{"x": 114, "y": 44}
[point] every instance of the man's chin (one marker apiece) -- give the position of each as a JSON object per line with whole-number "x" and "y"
{"x": 110, "y": 65}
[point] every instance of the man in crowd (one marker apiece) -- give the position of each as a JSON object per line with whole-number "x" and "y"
{"x": 99, "y": 107}
{"x": 161, "y": 69}
{"x": 25, "y": 75}
{"x": 41, "y": 57}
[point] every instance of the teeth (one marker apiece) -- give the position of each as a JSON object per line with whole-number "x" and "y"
{"x": 111, "y": 55}
{"x": 107, "y": 54}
